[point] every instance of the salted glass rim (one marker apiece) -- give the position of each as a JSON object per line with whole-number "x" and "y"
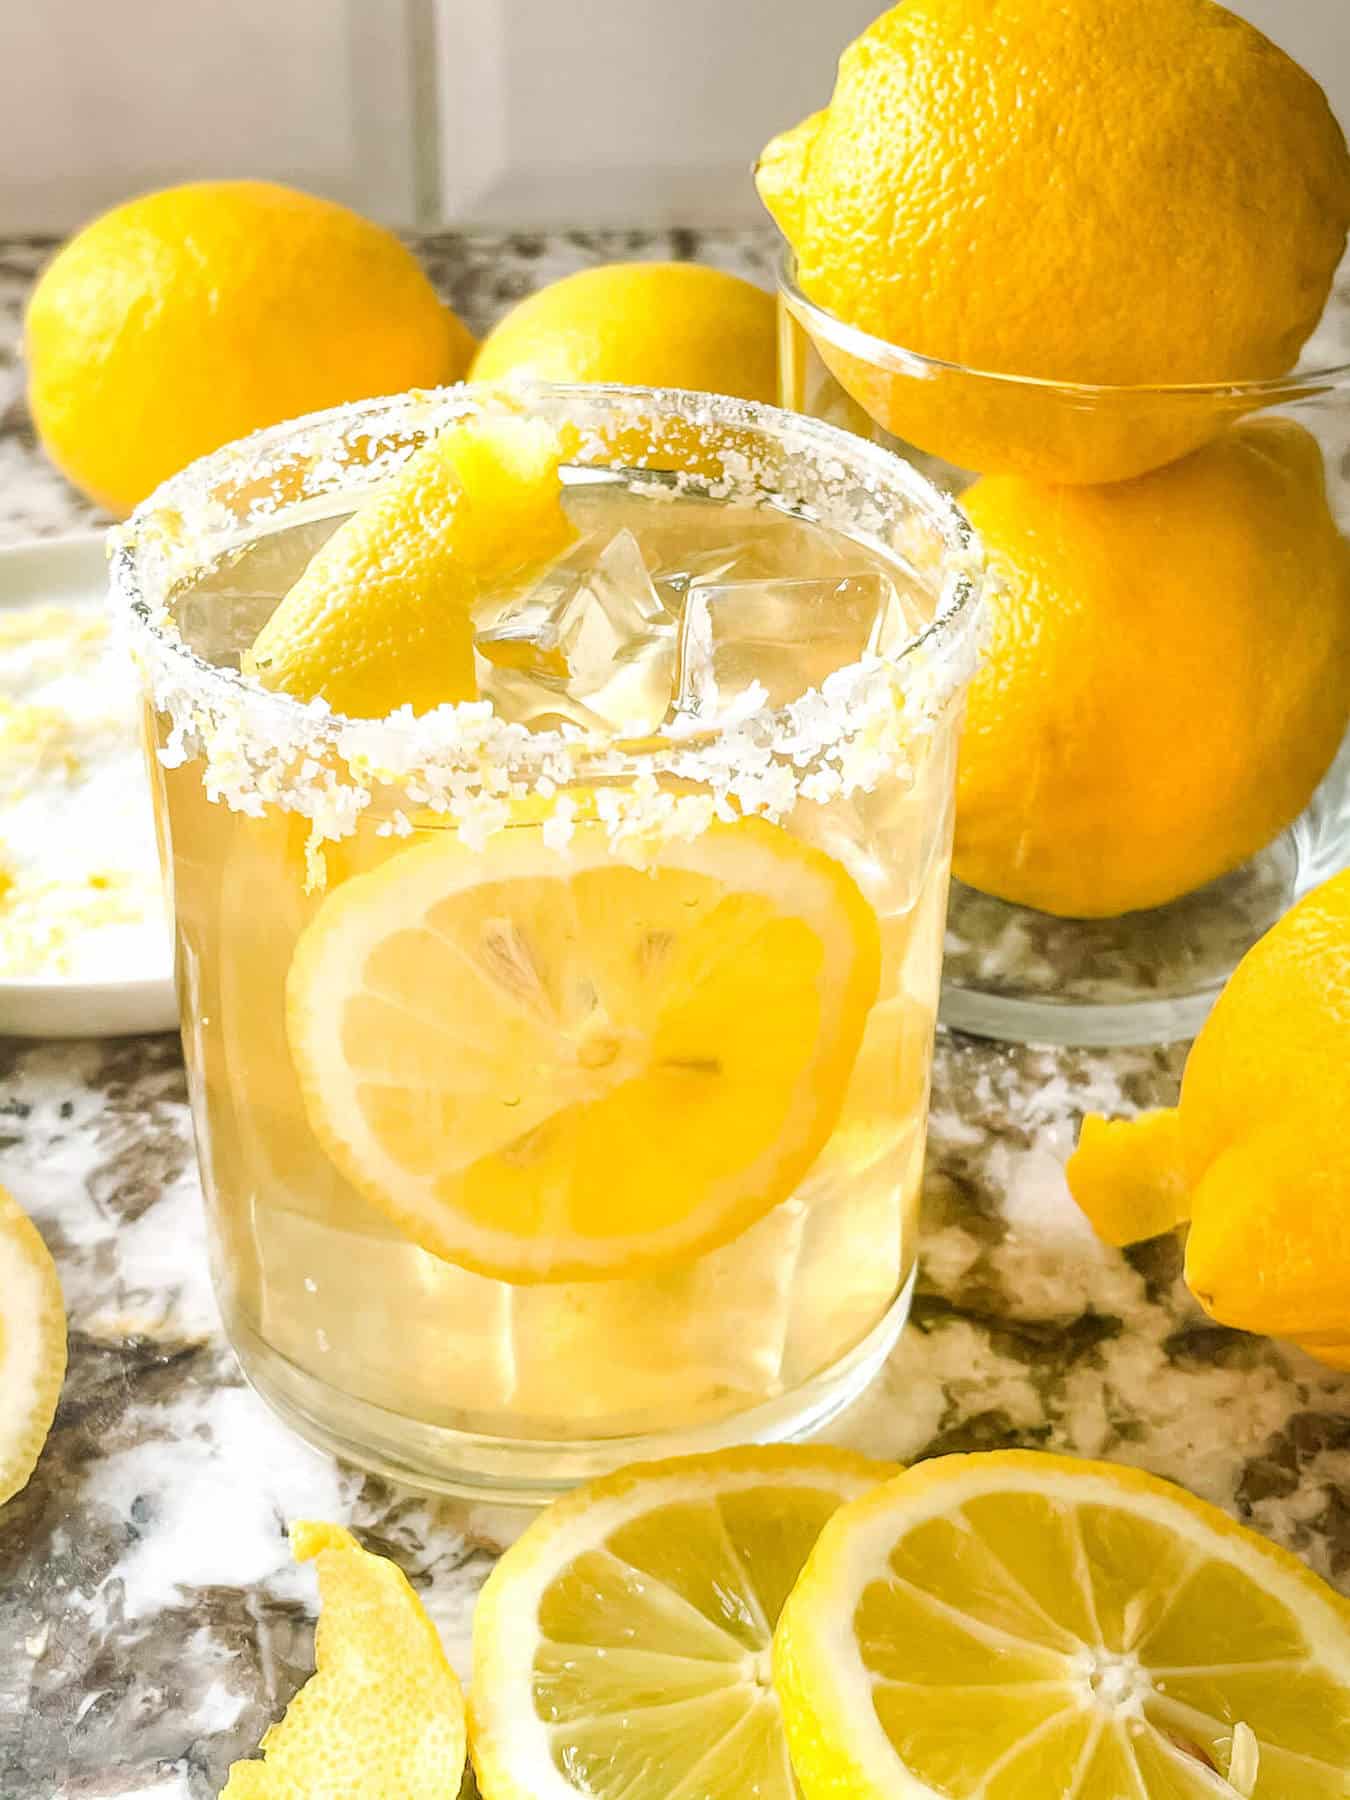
{"x": 1297, "y": 383}
{"x": 186, "y": 503}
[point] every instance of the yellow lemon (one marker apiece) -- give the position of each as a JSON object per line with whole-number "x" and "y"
{"x": 189, "y": 317}
{"x": 1255, "y": 1154}
{"x": 643, "y": 324}
{"x": 380, "y": 617}
{"x": 621, "y": 1646}
{"x": 1279, "y": 1036}
{"x": 1016, "y": 1626}
{"x": 1128, "y": 1176}
{"x": 1149, "y": 193}
{"x": 382, "y": 1714}
{"x": 552, "y": 1066}
{"x": 1168, "y": 675}
{"x": 32, "y": 1345}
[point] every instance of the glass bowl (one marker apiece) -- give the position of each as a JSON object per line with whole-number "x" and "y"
{"x": 1011, "y": 971}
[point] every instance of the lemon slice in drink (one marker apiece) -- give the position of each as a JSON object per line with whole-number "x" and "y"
{"x": 382, "y": 1714}
{"x": 552, "y": 1066}
{"x": 32, "y": 1345}
{"x": 1017, "y": 1626}
{"x": 621, "y": 1646}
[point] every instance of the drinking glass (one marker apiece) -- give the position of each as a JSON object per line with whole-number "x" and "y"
{"x": 560, "y": 1086}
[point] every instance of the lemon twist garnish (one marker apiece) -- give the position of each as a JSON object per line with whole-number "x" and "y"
{"x": 380, "y": 618}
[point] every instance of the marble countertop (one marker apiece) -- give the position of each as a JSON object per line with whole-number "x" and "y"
{"x": 151, "y": 1622}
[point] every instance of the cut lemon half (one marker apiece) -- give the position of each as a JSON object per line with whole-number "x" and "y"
{"x": 621, "y": 1646}
{"x": 380, "y": 618}
{"x": 552, "y": 1066}
{"x": 32, "y": 1345}
{"x": 1016, "y": 1626}
{"x": 382, "y": 1715}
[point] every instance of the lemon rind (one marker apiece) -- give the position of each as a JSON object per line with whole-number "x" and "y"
{"x": 287, "y": 1747}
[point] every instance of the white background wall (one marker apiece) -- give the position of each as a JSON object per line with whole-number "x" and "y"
{"x": 520, "y": 112}
{"x": 625, "y": 111}
{"x": 100, "y": 99}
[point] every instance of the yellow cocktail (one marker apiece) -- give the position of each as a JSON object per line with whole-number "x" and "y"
{"x": 559, "y": 1059}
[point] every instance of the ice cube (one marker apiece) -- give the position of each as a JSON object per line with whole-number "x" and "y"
{"x": 751, "y": 543}
{"x": 861, "y": 1196}
{"x": 893, "y": 834}
{"x": 686, "y": 1346}
{"x": 590, "y": 642}
{"x": 673, "y": 579}
{"x": 534, "y": 697}
{"x": 383, "y": 1320}
{"x": 788, "y": 635}
{"x": 856, "y": 1244}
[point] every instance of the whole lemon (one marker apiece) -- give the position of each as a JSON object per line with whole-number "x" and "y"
{"x": 1254, "y": 1156}
{"x": 1168, "y": 677}
{"x": 189, "y": 317}
{"x": 656, "y": 324}
{"x": 1265, "y": 1116}
{"x": 1108, "y": 193}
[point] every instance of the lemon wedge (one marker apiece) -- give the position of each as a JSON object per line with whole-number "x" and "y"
{"x": 621, "y": 1646}
{"x": 383, "y": 1713}
{"x": 1018, "y": 1626}
{"x": 380, "y": 618}
{"x": 32, "y": 1345}
{"x": 550, "y": 1065}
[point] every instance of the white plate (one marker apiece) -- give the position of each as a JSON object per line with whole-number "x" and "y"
{"x": 72, "y": 571}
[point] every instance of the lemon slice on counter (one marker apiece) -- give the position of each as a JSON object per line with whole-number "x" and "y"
{"x": 1017, "y": 1626}
{"x": 383, "y": 1713}
{"x": 553, "y": 1066}
{"x": 380, "y": 617}
{"x": 32, "y": 1345}
{"x": 621, "y": 1646}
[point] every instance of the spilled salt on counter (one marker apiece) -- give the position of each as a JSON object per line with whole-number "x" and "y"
{"x": 80, "y": 893}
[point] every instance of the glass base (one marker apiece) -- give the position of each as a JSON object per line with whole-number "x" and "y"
{"x": 532, "y": 1472}
{"x": 1148, "y": 978}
